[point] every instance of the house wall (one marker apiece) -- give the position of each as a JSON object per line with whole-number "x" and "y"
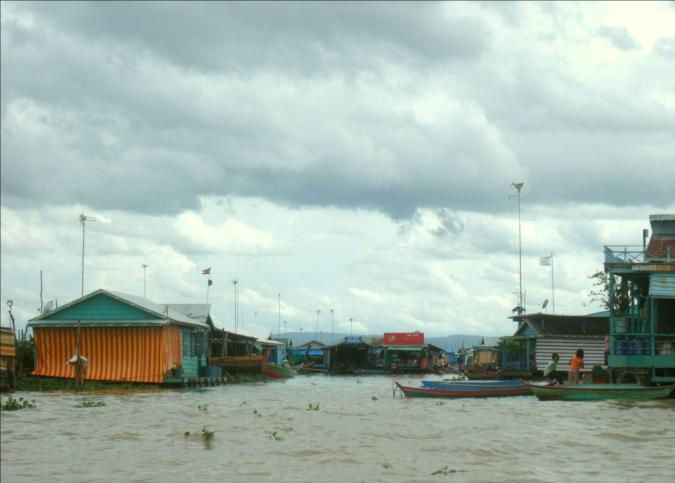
{"x": 194, "y": 346}
{"x": 122, "y": 354}
{"x": 594, "y": 351}
{"x": 100, "y": 307}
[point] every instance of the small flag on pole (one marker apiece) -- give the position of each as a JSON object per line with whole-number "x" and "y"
{"x": 206, "y": 271}
{"x": 545, "y": 261}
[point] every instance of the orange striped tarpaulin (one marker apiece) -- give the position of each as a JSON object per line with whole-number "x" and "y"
{"x": 124, "y": 354}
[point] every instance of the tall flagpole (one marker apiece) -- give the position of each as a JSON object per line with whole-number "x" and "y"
{"x": 521, "y": 308}
{"x": 279, "y": 317}
{"x": 146, "y": 266}
{"x": 552, "y": 284}
{"x": 236, "y": 315}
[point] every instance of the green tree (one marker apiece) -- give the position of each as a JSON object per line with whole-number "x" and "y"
{"x": 600, "y": 290}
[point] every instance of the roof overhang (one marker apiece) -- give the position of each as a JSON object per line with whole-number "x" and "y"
{"x": 96, "y": 323}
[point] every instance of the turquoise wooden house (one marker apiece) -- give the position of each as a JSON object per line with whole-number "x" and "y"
{"x": 124, "y": 338}
{"x": 642, "y": 306}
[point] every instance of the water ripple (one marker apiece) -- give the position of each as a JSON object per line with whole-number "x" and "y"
{"x": 359, "y": 433}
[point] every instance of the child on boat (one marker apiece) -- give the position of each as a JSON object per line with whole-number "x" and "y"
{"x": 576, "y": 364}
{"x": 551, "y": 370}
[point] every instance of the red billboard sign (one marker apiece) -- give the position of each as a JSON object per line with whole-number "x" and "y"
{"x": 404, "y": 338}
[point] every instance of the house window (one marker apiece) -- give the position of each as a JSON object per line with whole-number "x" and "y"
{"x": 198, "y": 343}
{"x": 193, "y": 343}
{"x": 186, "y": 339}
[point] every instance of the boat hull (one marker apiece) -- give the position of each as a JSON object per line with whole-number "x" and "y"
{"x": 475, "y": 385}
{"x": 279, "y": 372}
{"x": 599, "y": 392}
{"x": 237, "y": 364}
{"x": 463, "y": 392}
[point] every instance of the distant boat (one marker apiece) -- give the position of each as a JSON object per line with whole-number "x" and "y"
{"x": 598, "y": 392}
{"x": 277, "y": 371}
{"x": 486, "y": 389}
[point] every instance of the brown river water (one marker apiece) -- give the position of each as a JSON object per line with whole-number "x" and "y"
{"x": 356, "y": 432}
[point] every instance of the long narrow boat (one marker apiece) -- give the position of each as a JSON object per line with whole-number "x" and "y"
{"x": 598, "y": 392}
{"x": 237, "y": 364}
{"x": 484, "y": 384}
{"x": 279, "y": 372}
{"x": 464, "y": 391}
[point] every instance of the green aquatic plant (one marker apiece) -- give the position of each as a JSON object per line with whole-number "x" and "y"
{"x": 255, "y": 411}
{"x": 374, "y": 398}
{"x": 90, "y": 404}
{"x": 313, "y": 407}
{"x": 203, "y": 407}
{"x": 276, "y": 436}
{"x": 16, "y": 404}
{"x": 207, "y": 437}
{"x": 446, "y": 471}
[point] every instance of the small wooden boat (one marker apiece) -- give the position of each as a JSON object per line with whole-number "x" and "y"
{"x": 237, "y": 364}
{"x": 279, "y": 372}
{"x": 598, "y": 392}
{"x": 458, "y": 391}
{"x": 481, "y": 374}
{"x": 471, "y": 384}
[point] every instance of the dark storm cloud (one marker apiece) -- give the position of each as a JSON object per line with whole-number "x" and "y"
{"x": 123, "y": 128}
{"x": 619, "y": 37}
{"x": 301, "y": 36}
{"x": 148, "y": 106}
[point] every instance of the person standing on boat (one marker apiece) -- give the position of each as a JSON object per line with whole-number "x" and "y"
{"x": 576, "y": 364}
{"x": 551, "y": 370}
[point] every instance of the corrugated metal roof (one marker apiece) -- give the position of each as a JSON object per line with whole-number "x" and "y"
{"x": 162, "y": 311}
{"x": 662, "y": 285}
{"x": 270, "y": 342}
{"x": 199, "y": 312}
{"x": 566, "y": 325}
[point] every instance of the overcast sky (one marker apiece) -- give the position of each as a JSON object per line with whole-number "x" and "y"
{"x": 349, "y": 156}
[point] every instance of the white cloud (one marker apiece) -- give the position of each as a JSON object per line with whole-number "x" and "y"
{"x": 364, "y": 167}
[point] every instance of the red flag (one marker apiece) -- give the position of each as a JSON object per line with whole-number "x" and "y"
{"x": 206, "y": 271}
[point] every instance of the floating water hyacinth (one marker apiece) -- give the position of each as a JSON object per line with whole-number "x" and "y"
{"x": 207, "y": 436}
{"x": 90, "y": 404}
{"x": 313, "y": 407}
{"x": 16, "y": 404}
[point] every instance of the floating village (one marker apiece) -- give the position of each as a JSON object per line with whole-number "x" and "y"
{"x": 628, "y": 351}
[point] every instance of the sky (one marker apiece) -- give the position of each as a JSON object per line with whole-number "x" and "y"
{"x": 349, "y": 164}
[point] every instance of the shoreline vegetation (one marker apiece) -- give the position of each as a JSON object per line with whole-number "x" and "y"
{"x": 45, "y": 384}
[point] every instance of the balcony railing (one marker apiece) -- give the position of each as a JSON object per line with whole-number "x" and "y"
{"x": 624, "y": 254}
{"x": 635, "y": 254}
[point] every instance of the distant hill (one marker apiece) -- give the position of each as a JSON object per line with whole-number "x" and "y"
{"x": 450, "y": 343}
